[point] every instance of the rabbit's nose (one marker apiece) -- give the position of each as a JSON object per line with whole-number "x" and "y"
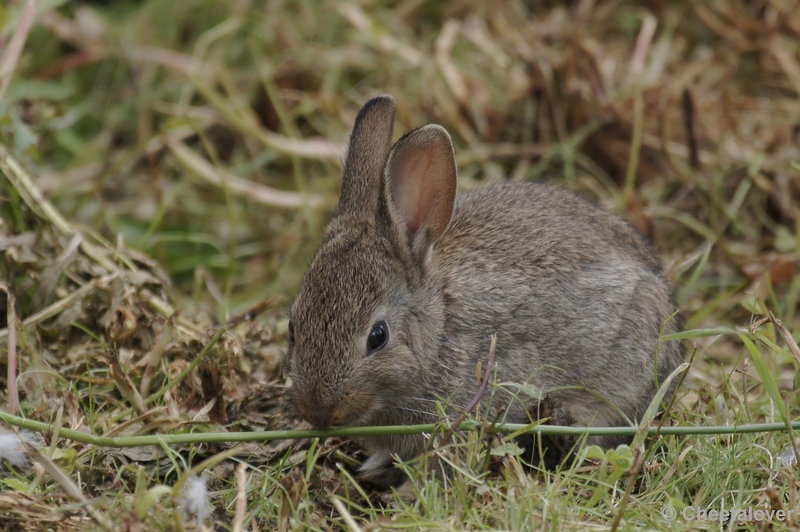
{"x": 318, "y": 418}
{"x": 311, "y": 412}
{"x": 338, "y": 412}
{"x": 323, "y": 418}
{"x": 320, "y": 414}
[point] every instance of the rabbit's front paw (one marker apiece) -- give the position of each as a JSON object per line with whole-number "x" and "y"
{"x": 381, "y": 472}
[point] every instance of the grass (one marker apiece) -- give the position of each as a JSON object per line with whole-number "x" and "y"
{"x": 168, "y": 168}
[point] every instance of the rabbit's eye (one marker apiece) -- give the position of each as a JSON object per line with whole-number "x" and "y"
{"x": 378, "y": 337}
{"x": 291, "y": 332}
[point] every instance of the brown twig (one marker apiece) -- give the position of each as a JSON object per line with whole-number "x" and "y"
{"x": 8, "y": 63}
{"x": 123, "y": 381}
{"x": 793, "y": 347}
{"x": 13, "y": 399}
{"x": 252, "y": 312}
{"x": 154, "y": 357}
{"x": 474, "y": 403}
{"x": 633, "y": 472}
{"x": 687, "y": 104}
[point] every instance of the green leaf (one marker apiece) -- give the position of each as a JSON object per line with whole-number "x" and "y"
{"x": 697, "y": 333}
{"x": 621, "y": 457}
{"x": 676, "y": 503}
{"x": 655, "y": 404}
{"x": 766, "y": 377}
{"x": 698, "y": 271}
{"x": 37, "y": 90}
{"x": 593, "y": 452}
{"x": 65, "y": 458}
{"x": 507, "y": 448}
{"x": 145, "y": 501}
{"x": 16, "y": 484}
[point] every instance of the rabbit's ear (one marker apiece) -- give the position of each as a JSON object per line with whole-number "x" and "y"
{"x": 421, "y": 185}
{"x": 370, "y": 142}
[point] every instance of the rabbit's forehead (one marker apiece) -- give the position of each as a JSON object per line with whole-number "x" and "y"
{"x": 343, "y": 288}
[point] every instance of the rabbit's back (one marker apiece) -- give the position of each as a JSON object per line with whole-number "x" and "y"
{"x": 535, "y": 221}
{"x": 574, "y": 294}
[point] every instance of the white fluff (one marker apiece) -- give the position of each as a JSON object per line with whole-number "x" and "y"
{"x": 194, "y": 499}
{"x": 12, "y": 450}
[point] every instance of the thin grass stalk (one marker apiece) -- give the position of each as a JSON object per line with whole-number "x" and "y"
{"x": 768, "y": 380}
{"x": 637, "y": 68}
{"x": 241, "y": 498}
{"x": 391, "y": 430}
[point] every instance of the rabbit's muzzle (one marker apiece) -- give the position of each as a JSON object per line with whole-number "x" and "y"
{"x": 326, "y": 412}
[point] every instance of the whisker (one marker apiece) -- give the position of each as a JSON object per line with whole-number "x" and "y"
{"x": 416, "y": 411}
{"x": 413, "y": 399}
{"x": 435, "y": 401}
{"x": 426, "y": 400}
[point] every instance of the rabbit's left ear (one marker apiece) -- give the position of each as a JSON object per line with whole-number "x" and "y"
{"x": 421, "y": 181}
{"x": 370, "y": 142}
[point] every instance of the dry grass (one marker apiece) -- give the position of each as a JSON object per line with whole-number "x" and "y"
{"x": 184, "y": 155}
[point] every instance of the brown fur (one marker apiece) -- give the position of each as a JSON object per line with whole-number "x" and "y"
{"x": 574, "y": 295}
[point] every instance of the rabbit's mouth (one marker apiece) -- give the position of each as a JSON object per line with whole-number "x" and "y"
{"x": 348, "y": 410}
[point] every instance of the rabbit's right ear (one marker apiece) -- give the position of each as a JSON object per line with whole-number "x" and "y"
{"x": 421, "y": 186}
{"x": 370, "y": 143}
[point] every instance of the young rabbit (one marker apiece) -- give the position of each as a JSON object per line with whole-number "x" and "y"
{"x": 401, "y": 300}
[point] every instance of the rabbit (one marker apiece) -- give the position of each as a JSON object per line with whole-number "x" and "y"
{"x": 402, "y": 297}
